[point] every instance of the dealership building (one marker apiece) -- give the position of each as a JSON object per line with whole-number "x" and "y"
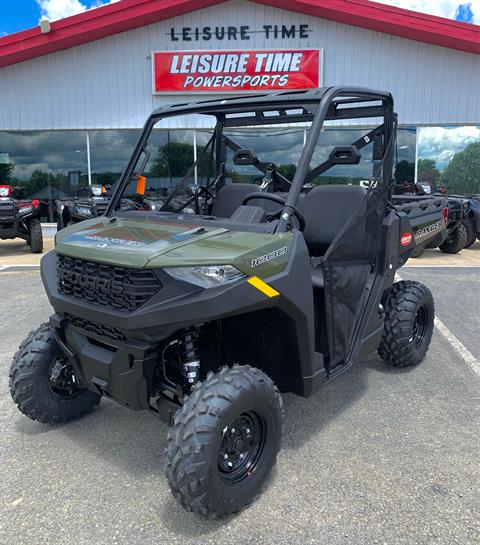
{"x": 75, "y": 93}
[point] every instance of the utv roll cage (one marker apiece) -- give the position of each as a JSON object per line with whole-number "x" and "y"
{"x": 314, "y": 106}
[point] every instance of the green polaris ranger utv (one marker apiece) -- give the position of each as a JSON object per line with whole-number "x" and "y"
{"x": 250, "y": 282}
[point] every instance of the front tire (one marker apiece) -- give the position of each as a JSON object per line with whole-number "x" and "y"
{"x": 471, "y": 233}
{"x": 41, "y": 383}
{"x": 408, "y": 324}
{"x": 456, "y": 240}
{"x": 36, "y": 237}
{"x": 224, "y": 442}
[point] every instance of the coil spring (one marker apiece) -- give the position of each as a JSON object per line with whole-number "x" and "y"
{"x": 189, "y": 355}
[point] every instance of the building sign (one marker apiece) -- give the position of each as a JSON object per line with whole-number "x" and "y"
{"x": 233, "y": 71}
{"x": 244, "y": 32}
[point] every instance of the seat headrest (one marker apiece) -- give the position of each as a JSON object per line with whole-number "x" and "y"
{"x": 326, "y": 210}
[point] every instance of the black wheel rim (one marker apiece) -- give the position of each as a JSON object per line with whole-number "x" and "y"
{"x": 62, "y": 379}
{"x": 419, "y": 327}
{"x": 241, "y": 448}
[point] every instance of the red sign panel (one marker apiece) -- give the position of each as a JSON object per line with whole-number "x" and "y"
{"x": 234, "y": 71}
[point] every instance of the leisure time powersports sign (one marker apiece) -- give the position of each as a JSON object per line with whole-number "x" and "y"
{"x": 234, "y": 71}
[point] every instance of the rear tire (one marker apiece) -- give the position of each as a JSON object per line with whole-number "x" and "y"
{"x": 224, "y": 442}
{"x": 471, "y": 233}
{"x": 456, "y": 240}
{"x": 408, "y": 324}
{"x": 36, "y": 237}
{"x": 31, "y": 385}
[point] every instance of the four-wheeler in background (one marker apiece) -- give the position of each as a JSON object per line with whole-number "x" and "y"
{"x": 202, "y": 317}
{"x": 471, "y": 213}
{"x": 458, "y": 234}
{"x": 20, "y": 217}
{"x": 92, "y": 201}
{"x": 89, "y": 202}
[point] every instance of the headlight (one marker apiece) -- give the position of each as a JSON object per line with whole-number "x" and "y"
{"x": 96, "y": 190}
{"x": 25, "y": 209}
{"x": 82, "y": 211}
{"x": 206, "y": 277}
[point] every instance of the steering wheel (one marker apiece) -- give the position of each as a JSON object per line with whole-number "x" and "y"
{"x": 278, "y": 200}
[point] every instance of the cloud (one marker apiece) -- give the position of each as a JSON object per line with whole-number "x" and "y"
{"x": 442, "y": 143}
{"x": 442, "y": 8}
{"x": 58, "y": 9}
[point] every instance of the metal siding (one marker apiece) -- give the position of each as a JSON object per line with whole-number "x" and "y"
{"x": 107, "y": 83}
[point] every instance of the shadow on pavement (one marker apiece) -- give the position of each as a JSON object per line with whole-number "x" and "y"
{"x": 135, "y": 441}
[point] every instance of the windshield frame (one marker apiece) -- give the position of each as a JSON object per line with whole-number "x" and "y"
{"x": 334, "y": 103}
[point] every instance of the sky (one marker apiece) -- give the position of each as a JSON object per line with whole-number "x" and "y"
{"x": 22, "y": 14}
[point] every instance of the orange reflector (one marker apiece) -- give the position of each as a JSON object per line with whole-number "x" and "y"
{"x": 141, "y": 184}
{"x": 104, "y": 189}
{"x": 263, "y": 286}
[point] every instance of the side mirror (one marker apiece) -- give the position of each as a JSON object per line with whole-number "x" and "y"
{"x": 245, "y": 157}
{"x": 345, "y": 155}
{"x": 141, "y": 185}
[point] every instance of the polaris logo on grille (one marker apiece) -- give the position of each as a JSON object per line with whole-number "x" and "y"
{"x": 261, "y": 260}
{"x": 93, "y": 283}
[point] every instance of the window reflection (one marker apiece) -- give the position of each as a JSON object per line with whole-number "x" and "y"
{"x": 449, "y": 158}
{"x": 52, "y": 164}
{"x": 46, "y": 164}
{"x": 110, "y": 151}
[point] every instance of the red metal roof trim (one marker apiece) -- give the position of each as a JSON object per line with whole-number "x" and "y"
{"x": 390, "y": 20}
{"x": 129, "y": 14}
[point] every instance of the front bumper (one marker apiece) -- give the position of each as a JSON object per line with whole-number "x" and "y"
{"x": 122, "y": 370}
{"x": 8, "y": 228}
{"x": 115, "y": 352}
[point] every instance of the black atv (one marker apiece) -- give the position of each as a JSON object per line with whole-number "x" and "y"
{"x": 471, "y": 217}
{"x": 88, "y": 202}
{"x": 204, "y": 318}
{"x": 92, "y": 201}
{"x": 458, "y": 226}
{"x": 20, "y": 218}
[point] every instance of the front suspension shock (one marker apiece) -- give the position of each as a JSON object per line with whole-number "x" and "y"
{"x": 189, "y": 354}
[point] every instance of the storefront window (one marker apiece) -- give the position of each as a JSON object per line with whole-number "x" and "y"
{"x": 46, "y": 164}
{"x": 449, "y": 158}
{"x": 110, "y": 151}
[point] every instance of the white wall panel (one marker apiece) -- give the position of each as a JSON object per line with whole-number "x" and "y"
{"x": 107, "y": 83}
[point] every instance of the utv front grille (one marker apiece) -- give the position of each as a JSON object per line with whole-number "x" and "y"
{"x": 116, "y": 287}
{"x": 98, "y": 329}
{"x": 7, "y": 210}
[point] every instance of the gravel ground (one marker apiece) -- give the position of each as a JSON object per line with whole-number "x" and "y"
{"x": 378, "y": 456}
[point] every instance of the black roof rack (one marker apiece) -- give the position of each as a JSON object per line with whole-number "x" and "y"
{"x": 279, "y": 100}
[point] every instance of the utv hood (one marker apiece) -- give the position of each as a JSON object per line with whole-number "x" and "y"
{"x": 127, "y": 242}
{"x": 142, "y": 243}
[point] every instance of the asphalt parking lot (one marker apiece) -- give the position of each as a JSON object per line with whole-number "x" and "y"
{"x": 379, "y": 456}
